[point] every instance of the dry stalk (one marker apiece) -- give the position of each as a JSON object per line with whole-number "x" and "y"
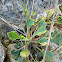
{"x": 50, "y": 31}
{"x": 12, "y": 25}
{"x": 32, "y": 8}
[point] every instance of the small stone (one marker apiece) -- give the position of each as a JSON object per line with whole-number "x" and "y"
{"x": 10, "y": 48}
{"x": 2, "y": 53}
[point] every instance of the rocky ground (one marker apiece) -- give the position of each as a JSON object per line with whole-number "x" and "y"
{"x": 2, "y": 53}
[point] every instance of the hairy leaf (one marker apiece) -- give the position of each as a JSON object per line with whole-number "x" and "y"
{"x": 49, "y": 56}
{"x": 41, "y": 30}
{"x": 20, "y": 59}
{"x": 41, "y": 24}
{"x": 15, "y": 54}
{"x": 13, "y": 35}
{"x": 39, "y": 56}
{"x": 48, "y": 53}
{"x": 30, "y": 22}
{"x": 22, "y": 37}
{"x": 18, "y": 44}
{"x": 24, "y": 60}
{"x": 55, "y": 33}
{"x": 21, "y": 26}
{"x": 57, "y": 39}
{"x": 42, "y": 41}
{"x": 24, "y": 53}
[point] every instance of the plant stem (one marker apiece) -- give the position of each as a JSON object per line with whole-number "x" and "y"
{"x": 12, "y": 25}
{"x": 23, "y": 46}
{"x": 50, "y": 33}
{"x": 32, "y": 8}
{"x": 39, "y": 50}
{"x": 53, "y": 22}
{"x": 48, "y": 41}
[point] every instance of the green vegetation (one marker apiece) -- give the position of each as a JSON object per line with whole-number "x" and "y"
{"x": 32, "y": 47}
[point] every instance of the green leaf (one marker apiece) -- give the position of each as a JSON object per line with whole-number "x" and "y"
{"x": 18, "y": 44}
{"x": 27, "y": 15}
{"x": 22, "y": 38}
{"x": 28, "y": 36}
{"x": 23, "y": 13}
{"x": 15, "y": 54}
{"x": 61, "y": 17}
{"x": 50, "y": 12}
{"x": 33, "y": 13}
{"x": 24, "y": 53}
{"x": 24, "y": 60}
{"x": 55, "y": 33}
{"x": 48, "y": 53}
{"x": 13, "y": 35}
{"x": 21, "y": 26}
{"x": 30, "y": 22}
{"x": 51, "y": 33}
{"x": 39, "y": 56}
{"x": 21, "y": 6}
{"x": 49, "y": 56}
{"x": 41, "y": 24}
{"x": 20, "y": 59}
{"x": 57, "y": 39}
{"x": 42, "y": 18}
{"x": 60, "y": 41}
{"x": 41, "y": 30}
{"x": 27, "y": 3}
{"x": 42, "y": 41}
{"x": 54, "y": 40}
